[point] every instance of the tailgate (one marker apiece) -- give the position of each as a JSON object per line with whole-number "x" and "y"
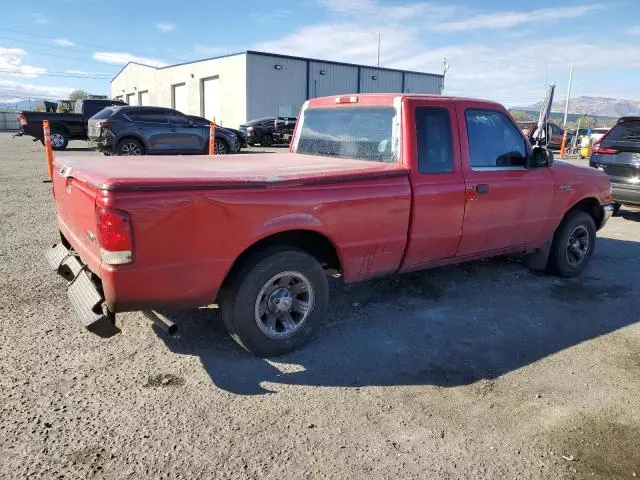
{"x": 76, "y": 208}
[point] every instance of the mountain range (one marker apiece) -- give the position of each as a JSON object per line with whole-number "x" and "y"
{"x": 594, "y": 106}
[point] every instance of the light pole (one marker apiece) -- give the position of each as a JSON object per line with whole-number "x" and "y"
{"x": 566, "y": 112}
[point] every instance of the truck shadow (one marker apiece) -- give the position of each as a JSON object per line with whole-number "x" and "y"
{"x": 445, "y": 327}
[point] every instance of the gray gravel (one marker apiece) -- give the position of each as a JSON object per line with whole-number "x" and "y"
{"x": 476, "y": 371}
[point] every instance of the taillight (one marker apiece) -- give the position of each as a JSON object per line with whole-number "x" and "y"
{"x": 103, "y": 124}
{"x": 22, "y": 120}
{"x": 598, "y": 148}
{"x": 115, "y": 236}
{"x": 249, "y": 129}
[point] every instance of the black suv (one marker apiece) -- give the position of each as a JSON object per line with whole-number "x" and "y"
{"x": 132, "y": 130}
{"x": 269, "y": 131}
{"x": 618, "y": 154}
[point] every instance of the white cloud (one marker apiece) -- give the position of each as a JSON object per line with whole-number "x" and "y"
{"x": 634, "y": 30}
{"x": 77, "y": 72}
{"x": 16, "y": 91}
{"x": 496, "y": 20}
{"x": 484, "y": 67}
{"x": 40, "y": 19}
{"x": 63, "y": 42}
{"x": 165, "y": 27}
{"x": 122, "y": 58}
{"x": 11, "y": 63}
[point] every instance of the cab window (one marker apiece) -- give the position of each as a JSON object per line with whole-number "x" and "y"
{"x": 494, "y": 141}
{"x": 435, "y": 142}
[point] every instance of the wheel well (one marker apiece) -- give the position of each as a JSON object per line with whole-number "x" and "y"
{"x": 592, "y": 207}
{"x": 131, "y": 137}
{"x": 315, "y": 244}
{"x": 59, "y": 128}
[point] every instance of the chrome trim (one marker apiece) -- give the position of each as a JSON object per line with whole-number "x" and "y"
{"x": 607, "y": 212}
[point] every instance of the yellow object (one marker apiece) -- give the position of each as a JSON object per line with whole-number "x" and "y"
{"x": 585, "y": 146}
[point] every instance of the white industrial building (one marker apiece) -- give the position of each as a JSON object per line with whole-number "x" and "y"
{"x": 243, "y": 86}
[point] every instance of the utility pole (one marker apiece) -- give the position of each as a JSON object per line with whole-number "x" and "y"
{"x": 378, "y": 49}
{"x": 566, "y": 112}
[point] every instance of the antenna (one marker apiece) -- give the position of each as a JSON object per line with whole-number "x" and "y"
{"x": 378, "y": 49}
{"x": 445, "y": 66}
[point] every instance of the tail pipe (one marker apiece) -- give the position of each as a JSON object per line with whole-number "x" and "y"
{"x": 168, "y": 326}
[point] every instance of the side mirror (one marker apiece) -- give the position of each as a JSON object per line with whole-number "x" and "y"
{"x": 541, "y": 157}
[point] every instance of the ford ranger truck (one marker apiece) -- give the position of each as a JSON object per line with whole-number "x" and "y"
{"x": 373, "y": 185}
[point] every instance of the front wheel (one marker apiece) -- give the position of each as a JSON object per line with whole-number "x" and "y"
{"x": 573, "y": 245}
{"x": 59, "y": 140}
{"x": 275, "y": 303}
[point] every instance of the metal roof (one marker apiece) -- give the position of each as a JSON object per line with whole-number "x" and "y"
{"x": 278, "y": 55}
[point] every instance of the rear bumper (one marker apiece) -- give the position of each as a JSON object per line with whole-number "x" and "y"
{"x": 626, "y": 193}
{"x": 84, "y": 292}
{"x": 101, "y": 144}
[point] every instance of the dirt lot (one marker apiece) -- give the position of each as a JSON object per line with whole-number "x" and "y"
{"x": 477, "y": 371}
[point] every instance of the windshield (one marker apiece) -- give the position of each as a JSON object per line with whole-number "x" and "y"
{"x": 363, "y": 133}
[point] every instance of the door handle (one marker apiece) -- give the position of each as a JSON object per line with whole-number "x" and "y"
{"x": 482, "y": 189}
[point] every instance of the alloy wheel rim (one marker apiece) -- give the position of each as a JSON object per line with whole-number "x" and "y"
{"x": 57, "y": 140}
{"x": 130, "y": 149}
{"x": 284, "y": 305}
{"x": 578, "y": 246}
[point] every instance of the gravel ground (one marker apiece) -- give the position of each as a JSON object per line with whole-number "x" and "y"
{"x": 481, "y": 370}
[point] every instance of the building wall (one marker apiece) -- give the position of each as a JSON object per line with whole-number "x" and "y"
{"x": 385, "y": 82}
{"x": 328, "y": 79}
{"x": 252, "y": 87}
{"x": 416, "y": 83}
{"x": 158, "y": 82}
{"x": 269, "y": 91}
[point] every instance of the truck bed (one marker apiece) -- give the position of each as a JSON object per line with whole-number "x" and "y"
{"x": 224, "y": 171}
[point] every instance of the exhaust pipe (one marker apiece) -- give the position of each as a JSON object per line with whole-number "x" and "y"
{"x": 167, "y": 326}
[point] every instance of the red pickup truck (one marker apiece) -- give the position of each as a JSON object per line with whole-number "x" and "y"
{"x": 373, "y": 185}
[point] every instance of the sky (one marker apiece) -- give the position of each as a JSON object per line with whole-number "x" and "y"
{"x": 496, "y": 49}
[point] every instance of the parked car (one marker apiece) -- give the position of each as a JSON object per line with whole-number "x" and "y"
{"x": 64, "y": 126}
{"x": 269, "y": 131}
{"x": 373, "y": 185}
{"x": 242, "y": 141}
{"x": 153, "y": 130}
{"x": 617, "y": 153}
{"x": 555, "y": 133}
{"x": 598, "y": 133}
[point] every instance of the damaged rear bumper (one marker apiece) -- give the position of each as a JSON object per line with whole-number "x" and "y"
{"x": 85, "y": 295}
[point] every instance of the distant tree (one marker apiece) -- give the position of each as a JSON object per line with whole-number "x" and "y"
{"x": 588, "y": 122}
{"x": 78, "y": 95}
{"x": 39, "y": 107}
{"x": 521, "y": 116}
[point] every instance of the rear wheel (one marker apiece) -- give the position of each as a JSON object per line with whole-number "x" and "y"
{"x": 573, "y": 245}
{"x": 275, "y": 303}
{"x": 266, "y": 141}
{"x": 59, "y": 140}
{"x": 129, "y": 146}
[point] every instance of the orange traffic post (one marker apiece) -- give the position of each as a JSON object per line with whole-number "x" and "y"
{"x": 212, "y": 138}
{"x": 47, "y": 147}
{"x": 564, "y": 143}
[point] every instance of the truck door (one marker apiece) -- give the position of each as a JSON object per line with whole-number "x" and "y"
{"x": 506, "y": 203}
{"x": 437, "y": 182}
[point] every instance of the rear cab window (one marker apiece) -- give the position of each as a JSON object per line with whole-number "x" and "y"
{"x": 495, "y": 143}
{"x": 104, "y": 113}
{"x": 361, "y": 133}
{"x": 434, "y": 140}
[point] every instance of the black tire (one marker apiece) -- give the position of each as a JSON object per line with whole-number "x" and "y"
{"x": 240, "y": 304}
{"x": 59, "y": 140}
{"x": 221, "y": 147}
{"x": 129, "y": 147}
{"x": 266, "y": 140}
{"x": 566, "y": 259}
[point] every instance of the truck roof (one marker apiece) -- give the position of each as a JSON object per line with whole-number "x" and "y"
{"x": 388, "y": 99}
